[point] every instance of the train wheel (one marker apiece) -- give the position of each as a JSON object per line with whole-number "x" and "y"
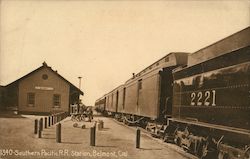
{"x": 124, "y": 121}
{"x": 178, "y": 142}
{"x": 248, "y": 153}
{"x": 165, "y": 138}
{"x": 222, "y": 155}
{"x": 168, "y": 139}
{"x": 203, "y": 151}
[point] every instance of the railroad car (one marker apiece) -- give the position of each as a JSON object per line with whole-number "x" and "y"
{"x": 120, "y": 101}
{"x": 100, "y": 104}
{"x": 211, "y": 100}
{"x": 147, "y": 93}
{"x": 114, "y": 101}
{"x": 109, "y": 102}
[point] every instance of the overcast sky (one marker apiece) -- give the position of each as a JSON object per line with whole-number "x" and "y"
{"x": 106, "y": 41}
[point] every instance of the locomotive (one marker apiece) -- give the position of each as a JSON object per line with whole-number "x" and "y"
{"x": 199, "y": 101}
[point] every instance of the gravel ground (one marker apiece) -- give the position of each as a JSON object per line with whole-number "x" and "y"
{"x": 17, "y": 140}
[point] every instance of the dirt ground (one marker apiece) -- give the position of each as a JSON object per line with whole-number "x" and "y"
{"x": 17, "y": 140}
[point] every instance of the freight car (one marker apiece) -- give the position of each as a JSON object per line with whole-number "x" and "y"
{"x": 203, "y": 106}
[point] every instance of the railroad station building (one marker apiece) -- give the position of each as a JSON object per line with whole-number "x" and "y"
{"x": 42, "y": 91}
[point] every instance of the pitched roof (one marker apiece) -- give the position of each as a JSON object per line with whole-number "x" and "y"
{"x": 55, "y": 72}
{"x": 2, "y": 86}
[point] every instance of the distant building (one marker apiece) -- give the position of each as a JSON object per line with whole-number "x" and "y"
{"x": 42, "y": 91}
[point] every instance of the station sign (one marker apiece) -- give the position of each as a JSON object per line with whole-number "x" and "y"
{"x": 44, "y": 88}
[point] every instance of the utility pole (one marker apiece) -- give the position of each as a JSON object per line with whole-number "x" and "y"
{"x": 78, "y": 106}
{"x": 80, "y": 82}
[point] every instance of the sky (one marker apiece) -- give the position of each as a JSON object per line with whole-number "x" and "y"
{"x": 105, "y": 41}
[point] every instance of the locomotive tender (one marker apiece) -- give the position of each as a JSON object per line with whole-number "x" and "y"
{"x": 201, "y": 100}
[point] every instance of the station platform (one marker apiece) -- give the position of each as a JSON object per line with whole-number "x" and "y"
{"x": 115, "y": 140}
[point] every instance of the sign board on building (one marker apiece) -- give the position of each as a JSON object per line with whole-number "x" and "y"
{"x": 44, "y": 88}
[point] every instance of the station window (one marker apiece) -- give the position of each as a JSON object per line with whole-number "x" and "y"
{"x": 167, "y": 59}
{"x": 31, "y": 99}
{"x": 56, "y": 100}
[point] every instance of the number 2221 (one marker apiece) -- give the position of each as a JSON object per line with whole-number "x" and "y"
{"x": 208, "y": 100}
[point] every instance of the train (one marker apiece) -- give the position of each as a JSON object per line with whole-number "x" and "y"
{"x": 199, "y": 101}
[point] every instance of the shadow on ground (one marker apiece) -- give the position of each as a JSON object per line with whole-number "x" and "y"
{"x": 9, "y": 114}
{"x": 150, "y": 148}
{"x": 66, "y": 142}
{"x": 105, "y": 146}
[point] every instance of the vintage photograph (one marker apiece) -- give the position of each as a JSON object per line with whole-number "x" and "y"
{"x": 124, "y": 79}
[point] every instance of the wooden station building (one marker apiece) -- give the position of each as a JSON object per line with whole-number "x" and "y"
{"x": 42, "y": 91}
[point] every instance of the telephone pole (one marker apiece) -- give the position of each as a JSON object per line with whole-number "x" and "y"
{"x": 80, "y": 82}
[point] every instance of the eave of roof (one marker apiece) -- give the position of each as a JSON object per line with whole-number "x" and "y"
{"x": 55, "y": 72}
